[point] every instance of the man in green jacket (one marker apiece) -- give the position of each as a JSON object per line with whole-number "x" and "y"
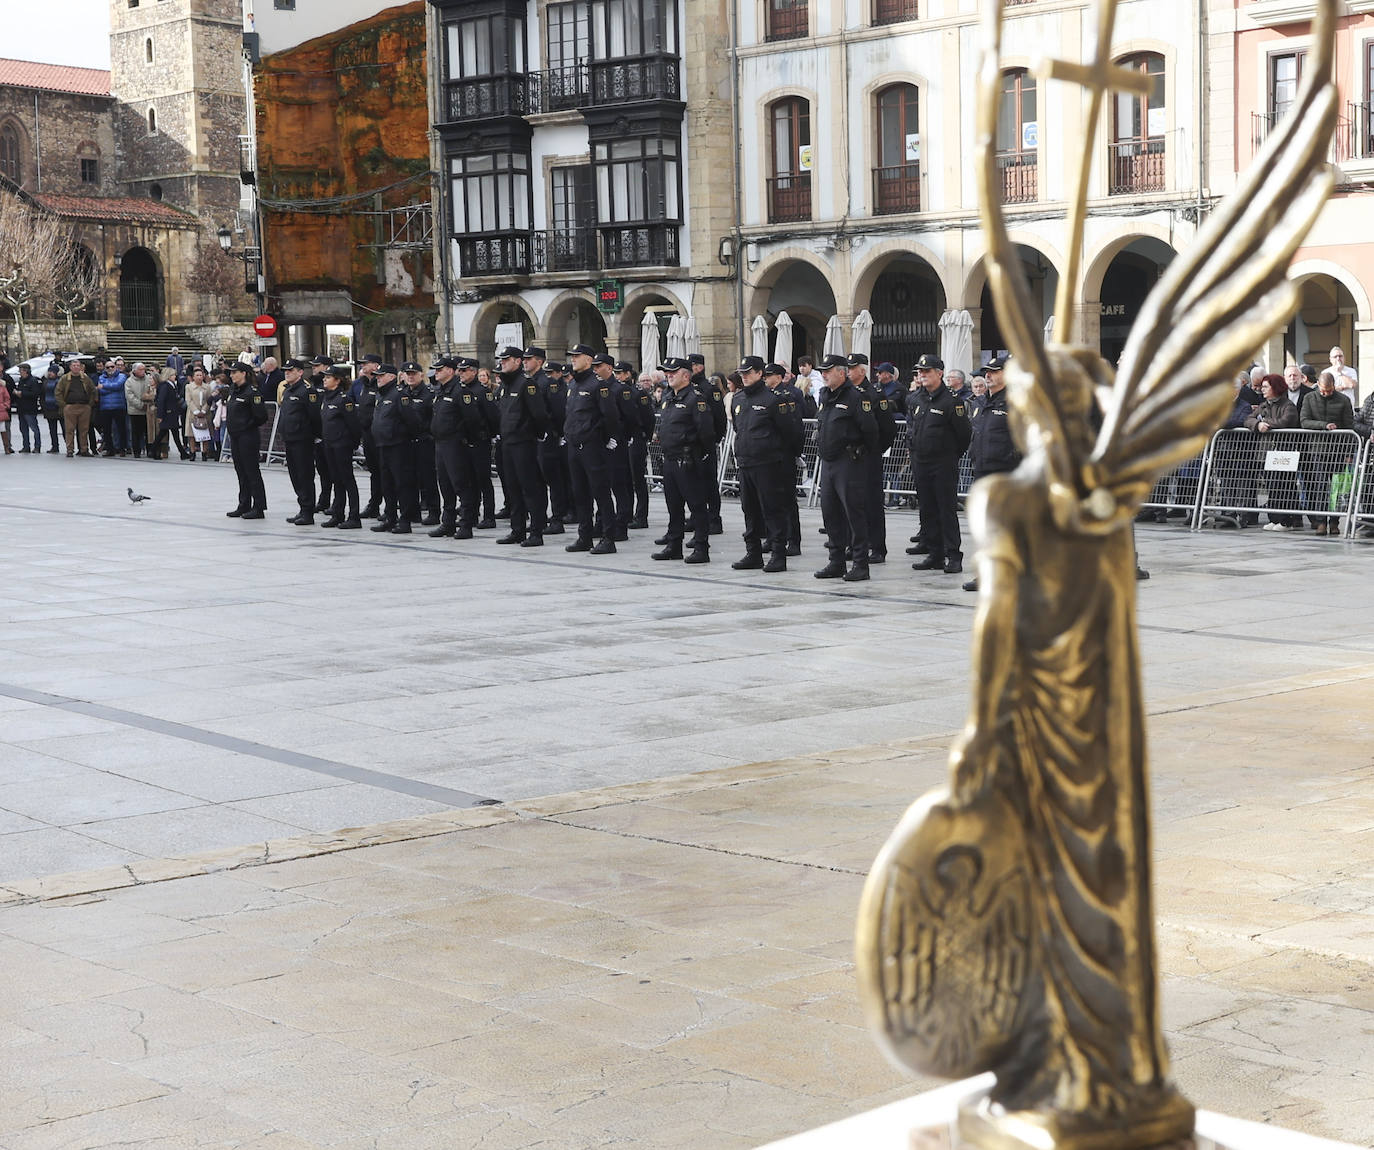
{"x": 75, "y": 396}
{"x": 1325, "y": 409}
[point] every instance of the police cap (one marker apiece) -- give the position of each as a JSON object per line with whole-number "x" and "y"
{"x": 675, "y": 363}
{"x": 996, "y": 363}
{"x": 322, "y": 361}
{"x": 553, "y": 367}
{"x": 371, "y": 357}
{"x": 532, "y": 352}
{"x": 624, "y": 365}
{"x": 445, "y": 361}
{"x": 340, "y": 372}
{"x": 930, "y": 362}
{"x": 774, "y": 369}
{"x": 509, "y": 352}
{"x": 751, "y": 363}
{"x": 386, "y": 369}
{"x": 857, "y": 359}
{"x": 697, "y": 359}
{"x": 465, "y": 362}
{"x": 580, "y": 349}
{"x": 832, "y": 361}
{"x": 602, "y": 357}
{"x": 295, "y": 365}
{"x": 411, "y": 365}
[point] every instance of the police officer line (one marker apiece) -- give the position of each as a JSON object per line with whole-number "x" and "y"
{"x": 1283, "y": 474}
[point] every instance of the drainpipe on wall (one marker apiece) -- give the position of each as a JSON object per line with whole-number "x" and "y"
{"x": 1202, "y": 107}
{"x": 37, "y": 146}
{"x": 738, "y": 190}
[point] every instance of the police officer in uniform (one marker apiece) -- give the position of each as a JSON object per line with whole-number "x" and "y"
{"x": 457, "y": 427}
{"x": 767, "y": 443}
{"x": 886, "y": 418}
{"x": 319, "y": 369}
{"x": 422, "y": 403}
{"x": 550, "y": 454}
{"x": 394, "y": 427}
{"x": 715, "y": 399}
{"x": 622, "y": 479}
{"x": 686, "y": 434}
{"x": 993, "y": 449}
{"x": 939, "y": 430}
{"x": 524, "y": 421}
{"x": 479, "y": 453}
{"x": 299, "y": 422}
{"x": 643, "y": 432}
{"x": 246, "y": 414}
{"x": 592, "y": 429}
{"x": 340, "y": 429}
{"x": 846, "y": 441}
{"x": 364, "y": 395}
{"x": 790, "y": 398}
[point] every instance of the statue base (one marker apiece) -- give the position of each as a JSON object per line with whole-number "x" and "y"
{"x": 931, "y": 1121}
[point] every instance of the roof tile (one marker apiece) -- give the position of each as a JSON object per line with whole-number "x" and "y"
{"x": 126, "y": 208}
{"x": 54, "y": 77}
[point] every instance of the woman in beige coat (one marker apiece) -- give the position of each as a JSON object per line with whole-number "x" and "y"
{"x": 198, "y": 404}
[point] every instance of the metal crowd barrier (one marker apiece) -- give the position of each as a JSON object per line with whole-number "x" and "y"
{"x": 1286, "y": 475}
{"x": 1179, "y": 491}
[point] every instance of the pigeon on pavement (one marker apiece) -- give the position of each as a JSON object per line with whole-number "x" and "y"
{"x": 138, "y": 498}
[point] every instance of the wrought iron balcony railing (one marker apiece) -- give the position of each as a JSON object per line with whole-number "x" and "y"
{"x": 1020, "y": 177}
{"x": 635, "y": 78}
{"x": 787, "y": 20}
{"x": 789, "y": 198}
{"x": 561, "y": 89}
{"x": 494, "y": 254}
{"x": 1135, "y": 166}
{"x": 894, "y": 11}
{"x": 482, "y": 96}
{"x": 639, "y": 245}
{"x": 571, "y": 249}
{"x": 895, "y": 189}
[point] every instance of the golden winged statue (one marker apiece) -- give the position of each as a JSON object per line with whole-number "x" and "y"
{"x": 1007, "y": 924}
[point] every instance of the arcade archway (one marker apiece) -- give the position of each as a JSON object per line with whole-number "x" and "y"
{"x": 907, "y": 302}
{"x": 140, "y": 291}
{"x": 1127, "y": 281}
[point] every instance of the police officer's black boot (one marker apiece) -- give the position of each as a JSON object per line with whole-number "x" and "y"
{"x": 302, "y": 518}
{"x": 384, "y": 525}
{"x": 371, "y": 511}
{"x": 858, "y": 573}
{"x": 776, "y": 562}
{"x": 832, "y": 570}
{"x": 698, "y": 555}
{"x": 532, "y": 541}
{"x": 717, "y": 527}
{"x": 753, "y": 561}
{"x": 673, "y": 550}
{"x": 463, "y": 533}
{"x": 444, "y": 528}
{"x": 333, "y": 520}
{"x": 352, "y": 523}
{"x": 662, "y": 541}
{"x": 430, "y": 518}
{"x": 606, "y": 546}
{"x": 401, "y": 526}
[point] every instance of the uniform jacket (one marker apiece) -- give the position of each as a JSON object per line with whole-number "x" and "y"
{"x": 490, "y": 410}
{"x": 937, "y": 425}
{"x": 246, "y": 410}
{"x": 422, "y": 408}
{"x": 457, "y": 414}
{"x": 846, "y": 425}
{"x": 556, "y": 399}
{"x": 685, "y": 429}
{"x": 790, "y": 400}
{"x": 339, "y": 422}
{"x": 593, "y": 414}
{"x": 1318, "y": 410}
{"x": 644, "y": 407}
{"x": 393, "y": 423}
{"x": 712, "y": 394}
{"x": 299, "y": 418}
{"x": 364, "y": 394}
{"x": 993, "y": 448}
{"x": 766, "y": 430}
{"x": 884, "y": 414}
{"x": 524, "y": 414}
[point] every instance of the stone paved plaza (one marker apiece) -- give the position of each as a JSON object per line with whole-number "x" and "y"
{"x": 647, "y": 942}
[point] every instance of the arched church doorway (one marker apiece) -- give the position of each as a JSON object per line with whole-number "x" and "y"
{"x": 140, "y": 303}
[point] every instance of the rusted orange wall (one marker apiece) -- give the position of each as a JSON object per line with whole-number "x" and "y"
{"x": 338, "y": 115}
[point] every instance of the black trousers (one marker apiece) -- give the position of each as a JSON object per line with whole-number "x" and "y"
{"x": 763, "y": 499}
{"x": 484, "y": 479}
{"x": 252, "y": 492}
{"x": 399, "y": 492}
{"x": 845, "y": 508}
{"x": 639, "y": 472}
{"x": 622, "y": 486}
{"x": 456, "y": 473}
{"x": 877, "y": 519}
{"x": 713, "y": 485}
{"x": 374, "y": 470}
{"x": 589, "y": 467}
{"x": 553, "y": 462}
{"x": 526, "y": 495}
{"x": 499, "y": 465}
{"x": 300, "y": 466}
{"x": 684, "y": 487}
{"x": 326, "y": 474}
{"x": 339, "y": 457}
{"x": 138, "y": 433}
{"x": 426, "y": 478}
{"x": 937, "y": 494}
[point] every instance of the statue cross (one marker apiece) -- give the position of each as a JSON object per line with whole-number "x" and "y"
{"x": 1099, "y": 76}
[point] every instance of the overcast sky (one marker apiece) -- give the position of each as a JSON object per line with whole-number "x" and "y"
{"x": 57, "y": 31}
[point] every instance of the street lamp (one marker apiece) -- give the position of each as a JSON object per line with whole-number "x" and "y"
{"x": 252, "y": 263}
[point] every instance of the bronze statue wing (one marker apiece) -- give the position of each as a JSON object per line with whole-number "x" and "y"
{"x": 1220, "y": 299}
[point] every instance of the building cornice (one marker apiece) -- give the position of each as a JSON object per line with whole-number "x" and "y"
{"x": 1271, "y": 13}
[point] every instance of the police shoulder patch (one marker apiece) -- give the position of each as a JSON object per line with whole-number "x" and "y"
{"x": 958, "y": 409}
{"x": 314, "y": 397}
{"x": 605, "y": 392}
{"x": 405, "y": 399}
{"x": 257, "y": 399}
{"x": 467, "y": 398}
{"x": 348, "y": 407}
{"x": 701, "y": 405}
{"x": 867, "y": 405}
{"x": 531, "y": 389}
